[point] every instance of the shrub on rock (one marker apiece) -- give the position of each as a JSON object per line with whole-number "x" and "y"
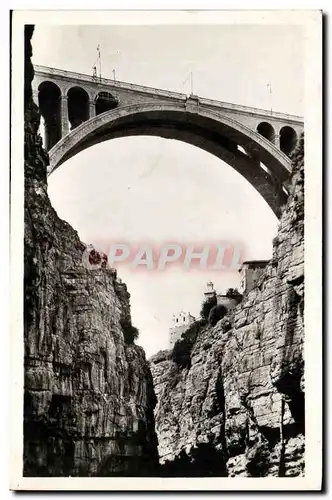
{"x": 207, "y": 306}
{"x": 217, "y": 313}
{"x": 130, "y": 332}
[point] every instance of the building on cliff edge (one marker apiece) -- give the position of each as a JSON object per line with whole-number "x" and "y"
{"x": 182, "y": 320}
{"x": 250, "y": 272}
{"x": 224, "y": 299}
{"x": 180, "y": 324}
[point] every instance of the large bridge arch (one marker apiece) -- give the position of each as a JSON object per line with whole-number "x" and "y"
{"x": 209, "y": 130}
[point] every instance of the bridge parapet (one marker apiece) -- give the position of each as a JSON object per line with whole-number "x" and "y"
{"x": 96, "y": 83}
{"x": 67, "y": 99}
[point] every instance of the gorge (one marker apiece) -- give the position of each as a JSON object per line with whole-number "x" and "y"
{"x": 93, "y": 404}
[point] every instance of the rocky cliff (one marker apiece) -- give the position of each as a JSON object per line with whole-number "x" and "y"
{"x": 234, "y": 404}
{"x": 88, "y": 392}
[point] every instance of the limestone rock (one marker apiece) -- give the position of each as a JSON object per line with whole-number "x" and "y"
{"x": 242, "y": 394}
{"x": 88, "y": 395}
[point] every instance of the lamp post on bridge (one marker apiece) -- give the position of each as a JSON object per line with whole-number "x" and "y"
{"x": 99, "y": 59}
{"x": 191, "y": 76}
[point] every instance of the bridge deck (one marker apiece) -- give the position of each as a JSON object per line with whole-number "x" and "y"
{"x": 45, "y": 71}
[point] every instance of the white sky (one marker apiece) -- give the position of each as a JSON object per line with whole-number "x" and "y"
{"x": 152, "y": 189}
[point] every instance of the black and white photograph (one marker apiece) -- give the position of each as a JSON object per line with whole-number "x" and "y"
{"x": 166, "y": 224}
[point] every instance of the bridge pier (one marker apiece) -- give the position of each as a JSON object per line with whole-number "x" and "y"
{"x": 64, "y": 116}
{"x": 277, "y": 138}
{"x": 92, "y": 109}
{"x": 35, "y": 97}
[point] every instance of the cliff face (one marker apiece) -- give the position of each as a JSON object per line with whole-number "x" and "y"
{"x": 237, "y": 407}
{"x": 88, "y": 395}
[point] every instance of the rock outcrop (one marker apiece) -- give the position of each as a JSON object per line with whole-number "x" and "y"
{"x": 88, "y": 392}
{"x": 235, "y": 407}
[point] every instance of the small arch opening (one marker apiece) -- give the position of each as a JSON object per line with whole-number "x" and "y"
{"x": 264, "y": 167}
{"x": 78, "y": 106}
{"x": 105, "y": 102}
{"x": 49, "y": 101}
{"x": 288, "y": 139}
{"x": 242, "y": 150}
{"x": 266, "y": 130}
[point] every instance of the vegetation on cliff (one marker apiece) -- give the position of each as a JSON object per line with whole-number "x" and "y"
{"x": 216, "y": 313}
{"x": 130, "y": 332}
{"x": 207, "y": 306}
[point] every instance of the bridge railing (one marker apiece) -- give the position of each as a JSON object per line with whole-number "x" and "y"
{"x": 248, "y": 109}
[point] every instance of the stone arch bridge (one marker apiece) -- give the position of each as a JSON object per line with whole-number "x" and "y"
{"x": 80, "y": 111}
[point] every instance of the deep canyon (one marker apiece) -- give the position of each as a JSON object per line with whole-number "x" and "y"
{"x": 95, "y": 406}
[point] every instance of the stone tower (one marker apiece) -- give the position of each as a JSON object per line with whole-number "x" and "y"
{"x": 210, "y": 291}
